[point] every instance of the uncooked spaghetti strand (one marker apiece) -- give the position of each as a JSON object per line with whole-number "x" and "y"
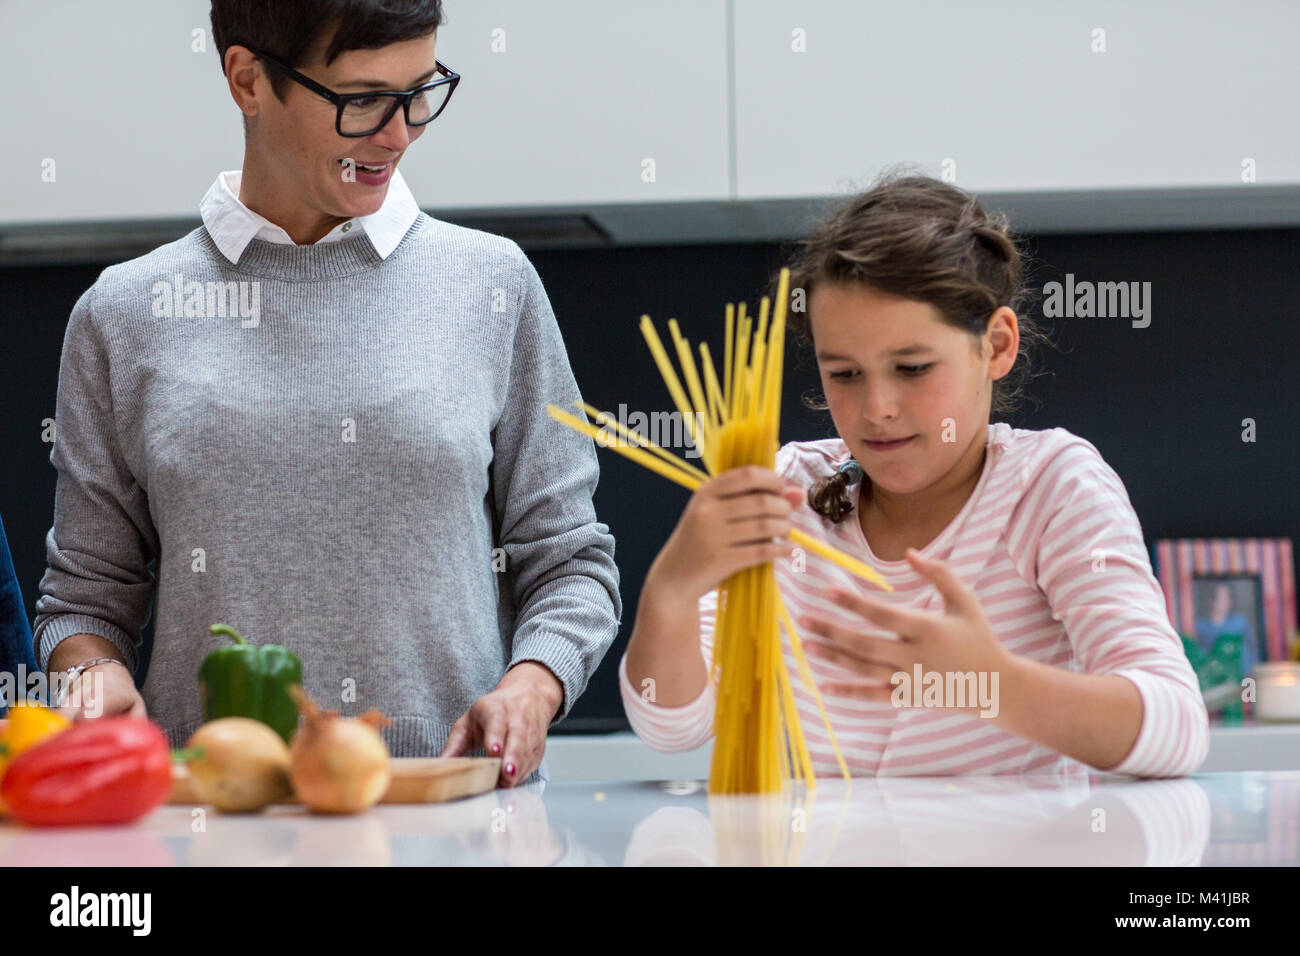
{"x": 717, "y": 401}
{"x": 847, "y": 562}
{"x": 758, "y": 364}
{"x": 810, "y": 684}
{"x": 772, "y": 392}
{"x": 753, "y": 372}
{"x": 638, "y": 455}
{"x": 794, "y": 725}
{"x": 791, "y": 764}
{"x": 739, "y": 360}
{"x": 660, "y": 355}
{"x": 640, "y": 441}
{"x": 727, "y": 356}
{"x": 768, "y": 768}
{"x": 687, "y": 361}
{"x": 715, "y": 413}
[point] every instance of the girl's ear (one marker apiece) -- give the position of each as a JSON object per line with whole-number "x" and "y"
{"x": 1004, "y": 335}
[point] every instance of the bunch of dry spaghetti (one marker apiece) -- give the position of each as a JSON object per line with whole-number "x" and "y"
{"x": 759, "y": 744}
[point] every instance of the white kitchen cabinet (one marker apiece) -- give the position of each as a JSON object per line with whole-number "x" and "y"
{"x": 112, "y": 99}
{"x": 584, "y": 94}
{"x": 1013, "y": 94}
{"x": 563, "y": 102}
{"x": 693, "y": 120}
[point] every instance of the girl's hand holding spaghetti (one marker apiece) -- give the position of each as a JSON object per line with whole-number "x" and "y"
{"x": 958, "y": 640}
{"x": 734, "y": 521}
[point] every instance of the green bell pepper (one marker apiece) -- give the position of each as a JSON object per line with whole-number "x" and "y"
{"x": 247, "y": 680}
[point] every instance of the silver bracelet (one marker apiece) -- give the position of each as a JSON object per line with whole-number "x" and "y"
{"x": 72, "y": 673}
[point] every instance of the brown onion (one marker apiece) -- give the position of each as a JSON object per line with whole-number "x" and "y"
{"x": 338, "y": 764}
{"x": 242, "y": 764}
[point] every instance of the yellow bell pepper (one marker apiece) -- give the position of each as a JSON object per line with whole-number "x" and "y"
{"x": 29, "y": 724}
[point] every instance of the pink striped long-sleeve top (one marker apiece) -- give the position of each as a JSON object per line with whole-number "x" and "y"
{"x": 1050, "y": 544}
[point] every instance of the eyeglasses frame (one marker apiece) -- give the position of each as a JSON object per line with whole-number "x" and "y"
{"x": 340, "y": 100}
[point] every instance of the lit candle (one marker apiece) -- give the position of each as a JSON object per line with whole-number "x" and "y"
{"x": 1277, "y": 691}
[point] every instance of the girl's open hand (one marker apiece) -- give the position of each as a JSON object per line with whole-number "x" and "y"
{"x": 960, "y": 639}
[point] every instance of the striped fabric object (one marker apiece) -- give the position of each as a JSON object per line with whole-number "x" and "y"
{"x": 1051, "y": 546}
{"x": 1178, "y": 560}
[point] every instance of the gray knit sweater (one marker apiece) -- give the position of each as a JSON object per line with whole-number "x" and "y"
{"x": 343, "y": 454}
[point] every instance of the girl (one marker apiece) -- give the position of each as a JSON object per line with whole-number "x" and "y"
{"x": 1025, "y": 632}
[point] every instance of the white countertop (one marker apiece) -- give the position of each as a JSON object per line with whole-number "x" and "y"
{"x": 623, "y": 756}
{"x": 1240, "y": 818}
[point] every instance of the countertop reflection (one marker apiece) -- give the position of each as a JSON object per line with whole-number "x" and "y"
{"x": 1248, "y": 818}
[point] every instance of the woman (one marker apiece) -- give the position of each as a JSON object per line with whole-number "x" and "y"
{"x": 322, "y": 417}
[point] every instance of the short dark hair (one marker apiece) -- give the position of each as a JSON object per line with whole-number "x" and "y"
{"x": 289, "y": 29}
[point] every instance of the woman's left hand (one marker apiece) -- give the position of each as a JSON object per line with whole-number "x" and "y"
{"x": 511, "y": 722}
{"x": 958, "y": 640}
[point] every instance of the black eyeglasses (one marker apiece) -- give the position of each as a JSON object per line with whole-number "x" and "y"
{"x": 363, "y": 114}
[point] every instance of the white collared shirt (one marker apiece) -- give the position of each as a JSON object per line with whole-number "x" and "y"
{"x": 233, "y": 225}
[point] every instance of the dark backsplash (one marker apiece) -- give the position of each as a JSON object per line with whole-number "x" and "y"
{"x": 1163, "y": 404}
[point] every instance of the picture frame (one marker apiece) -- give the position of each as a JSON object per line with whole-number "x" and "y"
{"x": 1216, "y": 586}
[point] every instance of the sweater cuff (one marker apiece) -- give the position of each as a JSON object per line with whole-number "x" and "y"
{"x": 559, "y": 655}
{"x": 57, "y": 629}
{"x": 667, "y": 729}
{"x": 1174, "y": 739}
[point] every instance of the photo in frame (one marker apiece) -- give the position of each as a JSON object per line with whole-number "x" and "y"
{"x": 1230, "y": 604}
{"x": 1231, "y": 586}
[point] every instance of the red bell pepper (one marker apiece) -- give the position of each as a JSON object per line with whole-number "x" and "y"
{"x": 107, "y": 770}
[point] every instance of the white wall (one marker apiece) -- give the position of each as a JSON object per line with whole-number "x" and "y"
{"x": 744, "y": 132}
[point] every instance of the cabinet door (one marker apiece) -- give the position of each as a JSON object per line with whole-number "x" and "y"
{"x": 1013, "y": 95}
{"x": 570, "y": 102}
{"x": 578, "y": 101}
{"x": 111, "y": 110}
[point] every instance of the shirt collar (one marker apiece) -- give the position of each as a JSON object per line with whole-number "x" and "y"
{"x": 233, "y": 225}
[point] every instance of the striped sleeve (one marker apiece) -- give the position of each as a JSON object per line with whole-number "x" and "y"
{"x": 673, "y": 729}
{"x": 1082, "y": 541}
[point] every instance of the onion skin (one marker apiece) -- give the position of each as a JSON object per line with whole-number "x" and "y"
{"x": 338, "y": 764}
{"x": 244, "y": 765}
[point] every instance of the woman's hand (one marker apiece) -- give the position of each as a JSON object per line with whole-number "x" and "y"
{"x": 103, "y": 690}
{"x": 511, "y": 721}
{"x": 734, "y": 521}
{"x": 958, "y": 640}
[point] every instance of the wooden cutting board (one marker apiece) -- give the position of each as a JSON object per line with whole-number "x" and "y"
{"x": 415, "y": 780}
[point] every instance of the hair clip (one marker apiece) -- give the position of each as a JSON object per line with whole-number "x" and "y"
{"x": 852, "y": 471}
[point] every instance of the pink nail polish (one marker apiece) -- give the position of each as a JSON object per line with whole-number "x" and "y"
{"x": 510, "y": 768}
{"x": 496, "y": 748}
